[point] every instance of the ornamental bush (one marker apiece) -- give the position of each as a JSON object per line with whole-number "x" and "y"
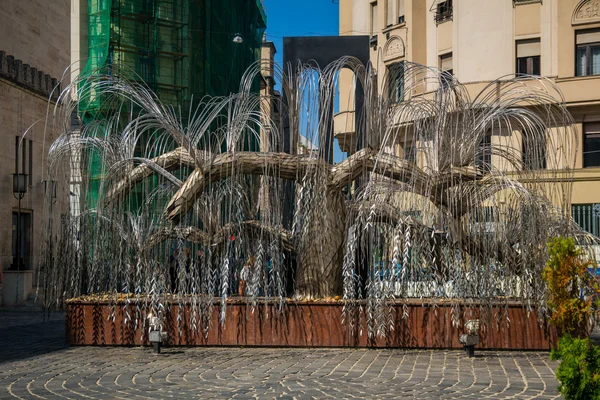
{"x": 567, "y": 276}
{"x": 579, "y": 370}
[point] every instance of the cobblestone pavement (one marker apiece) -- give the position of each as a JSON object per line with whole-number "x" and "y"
{"x": 35, "y": 363}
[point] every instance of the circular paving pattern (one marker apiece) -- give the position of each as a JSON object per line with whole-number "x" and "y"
{"x": 35, "y": 363}
{"x": 283, "y": 373}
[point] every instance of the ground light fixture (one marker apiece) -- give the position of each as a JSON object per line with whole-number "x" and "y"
{"x": 470, "y": 339}
{"x": 156, "y": 335}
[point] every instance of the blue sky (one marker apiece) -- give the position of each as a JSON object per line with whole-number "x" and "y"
{"x": 300, "y": 18}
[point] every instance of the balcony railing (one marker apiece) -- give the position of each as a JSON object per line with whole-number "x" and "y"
{"x": 443, "y": 15}
{"x": 587, "y": 216}
{"x": 523, "y": 2}
{"x": 373, "y": 41}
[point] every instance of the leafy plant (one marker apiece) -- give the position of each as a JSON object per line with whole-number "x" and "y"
{"x": 579, "y": 370}
{"x": 567, "y": 277}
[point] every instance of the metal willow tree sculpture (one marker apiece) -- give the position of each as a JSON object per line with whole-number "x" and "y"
{"x": 451, "y": 196}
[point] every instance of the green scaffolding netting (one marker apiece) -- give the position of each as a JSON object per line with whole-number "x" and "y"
{"x": 181, "y": 49}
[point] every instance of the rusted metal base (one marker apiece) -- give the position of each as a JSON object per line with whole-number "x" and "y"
{"x": 314, "y": 324}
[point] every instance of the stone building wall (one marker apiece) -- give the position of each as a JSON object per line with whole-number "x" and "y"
{"x": 19, "y": 109}
{"x": 37, "y": 32}
{"x": 34, "y": 53}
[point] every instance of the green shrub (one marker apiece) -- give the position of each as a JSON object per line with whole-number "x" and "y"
{"x": 579, "y": 370}
{"x": 566, "y": 273}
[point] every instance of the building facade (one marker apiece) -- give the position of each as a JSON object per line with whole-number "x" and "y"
{"x": 34, "y": 55}
{"x": 272, "y": 100}
{"x": 478, "y": 41}
{"x": 182, "y": 50}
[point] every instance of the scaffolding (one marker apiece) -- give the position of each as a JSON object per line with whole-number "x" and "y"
{"x": 181, "y": 49}
{"x": 149, "y": 42}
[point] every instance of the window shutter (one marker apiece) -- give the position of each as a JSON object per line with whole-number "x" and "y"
{"x": 374, "y": 29}
{"x": 592, "y": 129}
{"x": 391, "y": 13}
{"x": 588, "y": 36}
{"x": 528, "y": 48}
{"x": 400, "y": 8}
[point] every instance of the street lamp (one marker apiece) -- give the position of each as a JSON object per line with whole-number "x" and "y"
{"x": 19, "y": 190}
{"x": 50, "y": 190}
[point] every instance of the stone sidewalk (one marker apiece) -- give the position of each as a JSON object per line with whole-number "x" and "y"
{"x": 35, "y": 363}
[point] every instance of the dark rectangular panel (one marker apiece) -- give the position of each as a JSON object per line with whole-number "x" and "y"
{"x": 16, "y": 154}
{"x": 324, "y": 49}
{"x": 30, "y": 163}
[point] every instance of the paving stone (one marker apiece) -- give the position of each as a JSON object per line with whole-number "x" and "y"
{"x": 36, "y": 362}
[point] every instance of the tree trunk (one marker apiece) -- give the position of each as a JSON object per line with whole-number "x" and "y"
{"x": 320, "y": 252}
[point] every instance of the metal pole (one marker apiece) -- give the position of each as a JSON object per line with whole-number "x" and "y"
{"x": 19, "y": 236}
{"x": 52, "y": 200}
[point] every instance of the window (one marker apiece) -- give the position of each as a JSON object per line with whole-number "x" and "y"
{"x": 483, "y": 157}
{"x": 390, "y": 13}
{"x": 396, "y": 79}
{"x": 400, "y": 6}
{"x": 591, "y": 144}
{"x": 587, "y": 53}
{"x": 410, "y": 153}
{"x": 447, "y": 70}
{"x": 528, "y": 57}
{"x": 485, "y": 214}
{"x": 394, "y": 12}
{"x": 21, "y": 239}
{"x": 533, "y": 152}
{"x": 587, "y": 216}
{"x": 484, "y": 219}
{"x": 373, "y": 19}
{"x": 146, "y": 68}
{"x": 443, "y": 12}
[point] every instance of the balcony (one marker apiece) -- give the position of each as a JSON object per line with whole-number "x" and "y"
{"x": 373, "y": 41}
{"x": 443, "y": 14}
{"x": 524, "y": 2}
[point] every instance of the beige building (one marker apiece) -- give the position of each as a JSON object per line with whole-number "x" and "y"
{"x": 34, "y": 54}
{"x": 482, "y": 40}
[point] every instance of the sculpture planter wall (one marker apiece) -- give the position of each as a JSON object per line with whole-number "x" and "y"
{"x": 312, "y": 324}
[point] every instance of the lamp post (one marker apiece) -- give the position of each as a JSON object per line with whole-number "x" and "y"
{"x": 19, "y": 190}
{"x": 50, "y": 190}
